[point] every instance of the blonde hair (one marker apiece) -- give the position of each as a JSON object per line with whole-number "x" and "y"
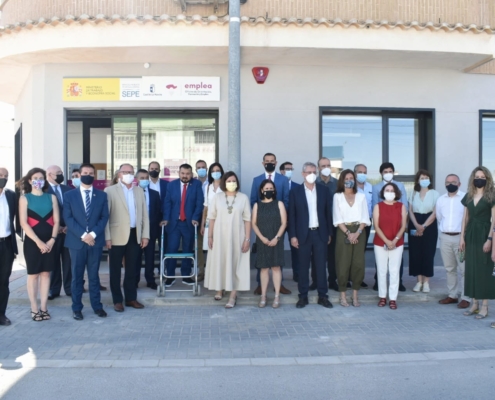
{"x": 488, "y": 190}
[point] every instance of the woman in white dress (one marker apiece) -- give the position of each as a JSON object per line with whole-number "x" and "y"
{"x": 227, "y": 265}
{"x": 215, "y": 174}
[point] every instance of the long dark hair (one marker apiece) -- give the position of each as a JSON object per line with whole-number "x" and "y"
{"x": 210, "y": 170}
{"x": 260, "y": 189}
{"x": 340, "y": 183}
{"x": 25, "y": 187}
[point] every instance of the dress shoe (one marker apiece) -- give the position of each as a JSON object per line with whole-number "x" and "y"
{"x": 364, "y": 285}
{"x": 101, "y": 313}
{"x": 4, "y": 320}
{"x": 169, "y": 282}
{"x": 77, "y": 315}
{"x": 103, "y": 287}
{"x": 152, "y": 285}
{"x": 323, "y": 301}
{"x": 53, "y": 296}
{"x": 188, "y": 281}
{"x": 134, "y": 304}
{"x": 375, "y": 287}
{"x": 402, "y": 288}
{"x": 302, "y": 302}
{"x": 119, "y": 307}
{"x": 463, "y": 304}
{"x": 257, "y": 290}
{"x": 284, "y": 290}
{"x": 313, "y": 286}
{"x": 448, "y": 300}
{"x": 333, "y": 286}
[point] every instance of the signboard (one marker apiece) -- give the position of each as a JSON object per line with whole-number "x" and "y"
{"x": 171, "y": 167}
{"x": 146, "y": 88}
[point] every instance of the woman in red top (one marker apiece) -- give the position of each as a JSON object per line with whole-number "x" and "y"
{"x": 390, "y": 220}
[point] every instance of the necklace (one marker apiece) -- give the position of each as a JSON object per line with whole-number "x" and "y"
{"x": 231, "y": 206}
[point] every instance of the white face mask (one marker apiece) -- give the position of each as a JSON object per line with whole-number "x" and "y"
{"x": 389, "y": 196}
{"x": 311, "y": 178}
{"x": 326, "y": 171}
{"x": 388, "y": 177}
{"x": 127, "y": 179}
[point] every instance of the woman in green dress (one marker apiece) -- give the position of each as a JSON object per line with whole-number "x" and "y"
{"x": 476, "y": 240}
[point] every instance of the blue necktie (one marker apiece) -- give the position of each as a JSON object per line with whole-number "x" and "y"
{"x": 88, "y": 204}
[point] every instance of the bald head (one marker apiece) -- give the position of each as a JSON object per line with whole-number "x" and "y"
{"x": 52, "y": 172}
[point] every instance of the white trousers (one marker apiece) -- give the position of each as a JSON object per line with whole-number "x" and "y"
{"x": 449, "y": 249}
{"x": 388, "y": 261}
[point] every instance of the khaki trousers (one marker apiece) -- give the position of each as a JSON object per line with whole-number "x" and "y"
{"x": 349, "y": 259}
{"x": 449, "y": 249}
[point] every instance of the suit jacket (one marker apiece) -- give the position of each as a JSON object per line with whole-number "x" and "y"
{"x": 293, "y": 185}
{"x": 119, "y": 222}
{"x": 64, "y": 189}
{"x": 299, "y": 213}
{"x": 75, "y": 218}
{"x": 163, "y": 190}
{"x": 376, "y": 193}
{"x": 281, "y": 183}
{"x": 154, "y": 210}
{"x": 193, "y": 206}
{"x": 12, "y": 202}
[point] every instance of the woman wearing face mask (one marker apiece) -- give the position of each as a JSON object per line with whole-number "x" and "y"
{"x": 269, "y": 221}
{"x": 423, "y": 230}
{"x": 229, "y": 215}
{"x": 390, "y": 220}
{"x": 39, "y": 217}
{"x": 350, "y": 216}
{"x": 476, "y": 240}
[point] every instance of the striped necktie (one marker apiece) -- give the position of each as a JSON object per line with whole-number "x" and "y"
{"x": 88, "y": 203}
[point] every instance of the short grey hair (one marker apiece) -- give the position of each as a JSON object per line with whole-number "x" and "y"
{"x": 130, "y": 165}
{"x": 308, "y": 164}
{"x": 359, "y": 165}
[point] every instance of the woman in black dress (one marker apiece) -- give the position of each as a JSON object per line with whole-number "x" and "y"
{"x": 39, "y": 217}
{"x": 269, "y": 221}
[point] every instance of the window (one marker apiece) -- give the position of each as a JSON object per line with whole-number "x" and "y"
{"x": 487, "y": 140}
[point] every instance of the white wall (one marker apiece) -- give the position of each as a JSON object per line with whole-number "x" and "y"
{"x": 7, "y": 132}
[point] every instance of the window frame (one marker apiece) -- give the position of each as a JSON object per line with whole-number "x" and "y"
{"x": 481, "y": 115}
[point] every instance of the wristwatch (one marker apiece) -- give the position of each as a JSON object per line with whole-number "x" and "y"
{"x": 360, "y": 231}
{"x": 276, "y": 237}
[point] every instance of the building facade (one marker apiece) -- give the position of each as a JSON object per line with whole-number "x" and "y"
{"x": 405, "y": 81}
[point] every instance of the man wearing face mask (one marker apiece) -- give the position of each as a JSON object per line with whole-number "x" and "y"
{"x": 387, "y": 171}
{"x": 287, "y": 170}
{"x": 8, "y": 243}
{"x": 62, "y": 268}
{"x": 449, "y": 212}
{"x": 76, "y": 178}
{"x": 282, "y": 184}
{"x": 127, "y": 232}
{"x": 202, "y": 171}
{"x": 155, "y": 216}
{"x": 86, "y": 216}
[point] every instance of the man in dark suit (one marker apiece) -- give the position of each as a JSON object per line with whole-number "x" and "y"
{"x": 183, "y": 208}
{"x": 86, "y": 216}
{"x": 311, "y": 230}
{"x": 62, "y": 269}
{"x": 282, "y": 184}
{"x": 287, "y": 169}
{"x": 155, "y": 216}
{"x": 8, "y": 243}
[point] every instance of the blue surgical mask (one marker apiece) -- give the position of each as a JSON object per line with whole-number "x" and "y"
{"x": 349, "y": 184}
{"x": 76, "y": 182}
{"x": 202, "y": 172}
{"x": 361, "y": 178}
{"x": 288, "y": 174}
{"x": 144, "y": 183}
{"x": 424, "y": 183}
{"x": 216, "y": 175}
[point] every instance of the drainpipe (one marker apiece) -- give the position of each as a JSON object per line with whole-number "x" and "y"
{"x": 234, "y": 138}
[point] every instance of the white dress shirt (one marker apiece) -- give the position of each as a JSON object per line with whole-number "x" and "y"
{"x": 313, "y": 211}
{"x": 272, "y": 174}
{"x": 155, "y": 186}
{"x": 83, "y": 195}
{"x": 367, "y": 190}
{"x": 4, "y": 216}
{"x": 449, "y": 212}
{"x": 131, "y": 205}
{"x": 343, "y": 213}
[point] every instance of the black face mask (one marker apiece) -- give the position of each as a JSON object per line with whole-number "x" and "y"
{"x": 269, "y": 194}
{"x": 87, "y": 179}
{"x": 479, "y": 182}
{"x": 269, "y": 167}
{"x": 59, "y": 179}
{"x": 154, "y": 174}
{"x": 452, "y": 188}
{"x": 3, "y": 182}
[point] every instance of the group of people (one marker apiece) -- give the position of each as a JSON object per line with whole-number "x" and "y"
{"x": 327, "y": 220}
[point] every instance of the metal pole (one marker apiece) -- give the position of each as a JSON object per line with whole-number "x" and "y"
{"x": 234, "y": 143}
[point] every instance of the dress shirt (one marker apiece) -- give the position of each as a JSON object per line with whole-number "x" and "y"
{"x": 155, "y": 186}
{"x": 426, "y": 205}
{"x": 83, "y": 195}
{"x": 312, "y": 209}
{"x": 272, "y": 174}
{"x": 204, "y": 187}
{"x": 367, "y": 190}
{"x": 343, "y": 213}
{"x": 450, "y": 211}
{"x": 58, "y": 192}
{"x": 4, "y": 216}
{"x": 131, "y": 206}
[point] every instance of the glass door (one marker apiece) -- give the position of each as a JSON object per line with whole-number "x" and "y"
{"x": 124, "y": 144}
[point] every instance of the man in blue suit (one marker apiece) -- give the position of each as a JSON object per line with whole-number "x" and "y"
{"x": 387, "y": 171}
{"x": 282, "y": 184}
{"x": 183, "y": 208}
{"x": 311, "y": 231}
{"x": 155, "y": 216}
{"x": 86, "y": 215}
{"x": 62, "y": 268}
{"x": 287, "y": 169}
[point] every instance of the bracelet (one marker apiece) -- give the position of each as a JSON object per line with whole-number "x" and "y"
{"x": 360, "y": 231}
{"x": 247, "y": 240}
{"x": 276, "y": 237}
{"x": 54, "y": 237}
{"x": 397, "y": 237}
{"x": 347, "y": 232}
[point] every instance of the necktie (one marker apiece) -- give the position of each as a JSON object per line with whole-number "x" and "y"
{"x": 58, "y": 193}
{"x": 183, "y": 204}
{"x": 88, "y": 203}
{"x": 269, "y": 177}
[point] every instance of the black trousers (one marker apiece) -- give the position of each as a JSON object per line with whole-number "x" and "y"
{"x": 6, "y": 260}
{"x": 332, "y": 273}
{"x": 149, "y": 258}
{"x": 314, "y": 251}
{"x": 130, "y": 252}
{"x": 62, "y": 272}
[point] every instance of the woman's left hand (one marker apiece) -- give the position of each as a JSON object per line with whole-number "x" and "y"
{"x": 487, "y": 246}
{"x": 272, "y": 243}
{"x": 245, "y": 246}
{"x": 353, "y": 237}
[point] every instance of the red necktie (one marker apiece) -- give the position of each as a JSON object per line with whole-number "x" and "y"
{"x": 269, "y": 177}
{"x": 183, "y": 204}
